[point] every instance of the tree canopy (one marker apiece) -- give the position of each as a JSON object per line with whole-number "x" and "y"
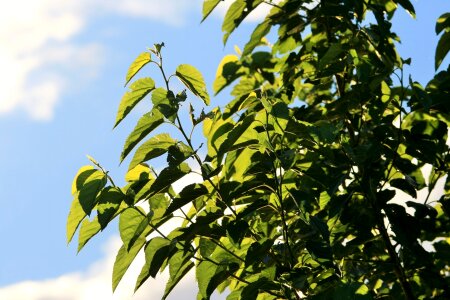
{"x": 300, "y": 168}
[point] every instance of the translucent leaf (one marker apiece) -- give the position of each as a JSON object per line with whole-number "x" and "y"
{"x": 165, "y": 102}
{"x": 179, "y": 265}
{"x": 76, "y": 215}
{"x": 138, "y": 173}
{"x": 109, "y": 201}
{"x": 193, "y": 80}
{"x": 231, "y": 20}
{"x": 154, "y": 147}
{"x": 208, "y": 7}
{"x": 255, "y": 40}
{"x": 168, "y": 176}
{"x": 138, "y": 90}
{"x": 124, "y": 259}
{"x": 156, "y": 252}
{"x": 92, "y": 185}
{"x": 226, "y": 73}
{"x": 406, "y": 4}
{"x": 82, "y": 174}
{"x": 87, "y": 230}
{"x": 442, "y": 49}
{"x": 129, "y": 222}
{"x": 187, "y": 195}
{"x": 204, "y": 272}
{"x": 146, "y": 124}
{"x": 140, "y": 61}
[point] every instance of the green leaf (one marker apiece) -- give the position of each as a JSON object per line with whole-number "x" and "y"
{"x": 146, "y": 124}
{"x": 140, "y": 61}
{"x": 87, "y": 194}
{"x": 109, "y": 201}
{"x": 208, "y": 7}
{"x": 129, "y": 221}
{"x": 124, "y": 259}
{"x": 165, "y": 101}
{"x": 227, "y": 72}
{"x": 138, "y": 90}
{"x": 76, "y": 215}
{"x": 156, "y": 253}
{"x": 168, "y": 176}
{"x": 442, "y": 49}
{"x": 187, "y": 195}
{"x": 255, "y": 40}
{"x": 154, "y": 147}
{"x": 87, "y": 230}
{"x": 443, "y": 22}
{"x": 232, "y": 18}
{"x": 178, "y": 153}
{"x": 179, "y": 265}
{"x": 193, "y": 80}
{"x": 204, "y": 272}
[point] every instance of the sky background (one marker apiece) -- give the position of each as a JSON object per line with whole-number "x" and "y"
{"x": 62, "y": 71}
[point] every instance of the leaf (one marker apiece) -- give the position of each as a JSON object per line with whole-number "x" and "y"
{"x": 165, "y": 101}
{"x": 442, "y": 49}
{"x": 193, "y": 80}
{"x": 208, "y": 7}
{"x": 154, "y": 147}
{"x": 443, "y": 22}
{"x": 204, "y": 272}
{"x": 87, "y": 230}
{"x": 76, "y": 215}
{"x": 140, "y": 61}
{"x": 234, "y": 13}
{"x": 138, "y": 90}
{"x": 87, "y": 194}
{"x": 129, "y": 221}
{"x": 179, "y": 265}
{"x": 124, "y": 259}
{"x": 187, "y": 195}
{"x": 146, "y": 124}
{"x": 404, "y": 186}
{"x": 406, "y": 4}
{"x": 109, "y": 201}
{"x": 156, "y": 252}
{"x": 168, "y": 176}
{"x": 227, "y": 72}
{"x": 139, "y": 173}
{"x": 255, "y": 40}
{"x": 178, "y": 153}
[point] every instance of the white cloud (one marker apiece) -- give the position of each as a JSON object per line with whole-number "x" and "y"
{"x": 95, "y": 283}
{"x": 36, "y": 37}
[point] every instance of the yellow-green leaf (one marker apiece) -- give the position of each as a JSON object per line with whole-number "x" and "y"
{"x": 208, "y": 7}
{"x": 154, "y": 147}
{"x": 87, "y": 230}
{"x": 76, "y": 215}
{"x": 124, "y": 259}
{"x": 193, "y": 80}
{"x": 146, "y": 124}
{"x": 138, "y": 90}
{"x": 140, "y": 61}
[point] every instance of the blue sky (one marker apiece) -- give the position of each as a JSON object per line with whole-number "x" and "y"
{"x": 62, "y": 75}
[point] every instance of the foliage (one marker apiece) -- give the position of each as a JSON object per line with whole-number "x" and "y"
{"x": 299, "y": 169}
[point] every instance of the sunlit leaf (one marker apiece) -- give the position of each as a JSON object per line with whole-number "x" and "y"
{"x": 146, "y": 124}
{"x": 138, "y": 90}
{"x": 193, "y": 80}
{"x": 140, "y": 61}
{"x": 154, "y": 147}
{"x": 87, "y": 230}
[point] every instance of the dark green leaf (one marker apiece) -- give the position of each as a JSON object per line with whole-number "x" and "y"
{"x": 442, "y": 49}
{"x": 187, "y": 195}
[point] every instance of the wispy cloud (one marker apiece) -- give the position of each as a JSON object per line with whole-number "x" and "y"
{"x": 36, "y": 37}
